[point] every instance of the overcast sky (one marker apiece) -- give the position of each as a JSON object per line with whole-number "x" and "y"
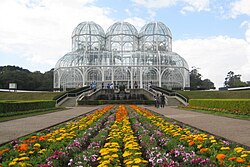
{"x": 212, "y": 35}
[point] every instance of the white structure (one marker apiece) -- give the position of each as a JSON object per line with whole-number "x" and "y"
{"x": 122, "y": 56}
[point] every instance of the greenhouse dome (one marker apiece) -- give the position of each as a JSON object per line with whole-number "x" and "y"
{"x": 88, "y": 36}
{"x": 155, "y": 36}
{"x": 122, "y": 56}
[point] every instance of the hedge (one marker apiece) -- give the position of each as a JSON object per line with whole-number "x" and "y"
{"x": 235, "y": 105}
{"x": 102, "y": 102}
{"x": 14, "y": 106}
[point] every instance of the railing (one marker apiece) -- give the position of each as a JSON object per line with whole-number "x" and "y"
{"x": 72, "y": 93}
{"x": 170, "y": 93}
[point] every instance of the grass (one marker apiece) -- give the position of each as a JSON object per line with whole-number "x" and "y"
{"x": 28, "y": 95}
{"x": 244, "y": 94}
{"x": 230, "y": 115}
{"x": 23, "y": 114}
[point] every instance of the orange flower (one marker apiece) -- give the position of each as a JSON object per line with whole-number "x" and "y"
{"x": 204, "y": 150}
{"x": 191, "y": 142}
{"x": 23, "y": 147}
{"x": 231, "y": 158}
{"x": 201, "y": 139}
{"x": 240, "y": 160}
{"x": 42, "y": 138}
{"x": 3, "y": 151}
{"x": 220, "y": 156}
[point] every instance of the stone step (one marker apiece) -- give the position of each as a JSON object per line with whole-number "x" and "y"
{"x": 70, "y": 102}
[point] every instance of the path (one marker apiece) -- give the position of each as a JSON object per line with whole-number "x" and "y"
{"x": 232, "y": 129}
{"x": 13, "y": 129}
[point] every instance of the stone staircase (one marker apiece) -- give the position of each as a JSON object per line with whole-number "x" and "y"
{"x": 172, "y": 101}
{"x": 69, "y": 102}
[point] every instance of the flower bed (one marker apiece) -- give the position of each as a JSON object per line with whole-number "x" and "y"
{"x": 240, "y": 106}
{"x": 122, "y": 136}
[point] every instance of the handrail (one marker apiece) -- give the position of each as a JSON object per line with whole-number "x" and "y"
{"x": 170, "y": 93}
{"x": 70, "y": 94}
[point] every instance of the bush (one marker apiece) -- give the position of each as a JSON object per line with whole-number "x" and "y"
{"x": 102, "y": 102}
{"x": 15, "y": 106}
{"x": 234, "y": 105}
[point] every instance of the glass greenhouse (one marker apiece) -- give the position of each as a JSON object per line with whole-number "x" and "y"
{"x": 122, "y": 56}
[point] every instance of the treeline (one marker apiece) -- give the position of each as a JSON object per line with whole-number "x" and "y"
{"x": 25, "y": 79}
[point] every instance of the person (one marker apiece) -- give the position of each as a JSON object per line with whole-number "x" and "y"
{"x": 157, "y": 101}
{"x": 102, "y": 85}
{"x": 111, "y": 86}
{"x": 162, "y": 100}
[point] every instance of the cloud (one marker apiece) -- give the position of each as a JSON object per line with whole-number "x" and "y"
{"x": 39, "y": 31}
{"x": 215, "y": 56}
{"x": 137, "y": 22}
{"x": 187, "y": 5}
{"x": 155, "y": 4}
{"x": 240, "y": 7}
{"x": 195, "y": 5}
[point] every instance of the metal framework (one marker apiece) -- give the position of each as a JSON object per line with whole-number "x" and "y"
{"x": 122, "y": 56}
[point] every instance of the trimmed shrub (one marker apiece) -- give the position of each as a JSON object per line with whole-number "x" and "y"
{"x": 15, "y": 106}
{"x": 234, "y": 105}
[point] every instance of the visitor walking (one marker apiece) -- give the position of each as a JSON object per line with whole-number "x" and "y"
{"x": 157, "y": 101}
{"x": 162, "y": 100}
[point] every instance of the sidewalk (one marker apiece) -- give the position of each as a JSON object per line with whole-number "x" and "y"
{"x": 232, "y": 129}
{"x": 13, "y": 129}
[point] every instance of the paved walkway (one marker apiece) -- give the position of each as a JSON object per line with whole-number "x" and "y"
{"x": 232, "y": 129}
{"x": 10, "y": 130}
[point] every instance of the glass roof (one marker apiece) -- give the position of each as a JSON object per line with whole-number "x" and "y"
{"x": 155, "y": 28}
{"x": 122, "y": 28}
{"x": 88, "y": 28}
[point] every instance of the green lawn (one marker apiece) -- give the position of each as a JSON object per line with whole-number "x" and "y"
{"x": 216, "y": 94}
{"x": 28, "y": 95}
{"x": 23, "y": 114}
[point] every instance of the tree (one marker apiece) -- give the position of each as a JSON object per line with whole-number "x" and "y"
{"x": 196, "y": 83}
{"x": 207, "y": 84}
{"x": 232, "y": 80}
{"x": 25, "y": 79}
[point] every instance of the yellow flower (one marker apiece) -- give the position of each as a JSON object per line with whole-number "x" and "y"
{"x": 245, "y": 152}
{"x": 106, "y": 162}
{"x": 224, "y": 148}
{"x": 16, "y": 159}
{"x": 22, "y": 154}
{"x": 31, "y": 152}
{"x": 24, "y": 159}
{"x": 37, "y": 145}
{"x": 12, "y": 163}
{"x": 199, "y": 146}
{"x": 129, "y": 162}
{"x": 104, "y": 151}
{"x": 41, "y": 151}
{"x": 137, "y": 160}
{"x": 114, "y": 156}
{"x": 238, "y": 149}
{"x": 211, "y": 137}
{"x": 243, "y": 155}
{"x": 213, "y": 141}
{"x": 126, "y": 153}
{"x": 59, "y": 139}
